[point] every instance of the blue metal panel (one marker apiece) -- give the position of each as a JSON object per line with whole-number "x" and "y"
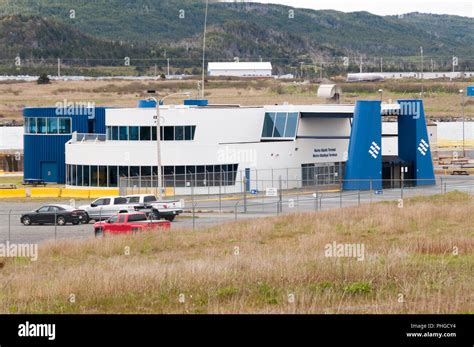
{"x": 44, "y": 148}
{"x": 470, "y": 91}
{"x": 193, "y": 102}
{"x": 413, "y": 141}
{"x": 40, "y": 149}
{"x": 364, "y": 164}
{"x": 49, "y": 171}
{"x": 146, "y": 103}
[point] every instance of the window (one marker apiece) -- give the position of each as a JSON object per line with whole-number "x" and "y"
{"x": 168, "y": 134}
{"x": 133, "y": 199}
{"x": 86, "y": 175}
{"x": 41, "y": 125}
{"x": 179, "y": 133}
{"x": 102, "y": 176}
{"x": 79, "y": 175}
{"x": 52, "y": 125}
{"x": 113, "y": 219}
{"x": 113, "y": 179}
{"x": 137, "y": 217}
{"x": 123, "y": 133}
{"x": 145, "y": 133}
{"x": 291, "y": 124}
{"x": 133, "y": 133}
{"x": 64, "y": 125}
{"x": 101, "y": 202}
{"x": 121, "y": 218}
{"x": 280, "y": 124}
{"x": 43, "y": 209}
{"x": 120, "y": 201}
{"x": 123, "y": 171}
{"x": 153, "y": 133}
{"x": 149, "y": 198}
{"x": 94, "y": 176}
{"x": 268, "y": 125}
{"x": 31, "y": 124}
{"x": 115, "y": 133}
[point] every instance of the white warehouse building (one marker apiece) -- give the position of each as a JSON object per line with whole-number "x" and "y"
{"x": 240, "y": 69}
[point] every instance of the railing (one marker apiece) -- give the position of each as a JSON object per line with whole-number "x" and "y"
{"x": 78, "y": 137}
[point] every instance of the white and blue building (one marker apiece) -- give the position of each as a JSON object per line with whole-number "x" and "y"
{"x": 240, "y": 147}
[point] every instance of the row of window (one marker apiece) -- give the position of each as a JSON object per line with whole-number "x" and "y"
{"x": 324, "y": 173}
{"x": 146, "y": 176}
{"x": 280, "y": 125}
{"x": 147, "y": 133}
{"x": 48, "y": 125}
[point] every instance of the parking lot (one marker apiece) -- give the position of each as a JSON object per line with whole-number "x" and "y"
{"x": 216, "y": 210}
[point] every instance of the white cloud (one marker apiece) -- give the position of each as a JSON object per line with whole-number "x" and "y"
{"x": 384, "y": 7}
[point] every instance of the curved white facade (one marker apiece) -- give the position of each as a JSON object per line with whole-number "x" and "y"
{"x": 224, "y": 138}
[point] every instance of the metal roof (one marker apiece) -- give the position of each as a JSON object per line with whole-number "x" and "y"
{"x": 240, "y": 66}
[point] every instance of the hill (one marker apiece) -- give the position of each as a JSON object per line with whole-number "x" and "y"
{"x": 155, "y": 29}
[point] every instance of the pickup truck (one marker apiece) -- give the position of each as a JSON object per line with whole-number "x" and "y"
{"x": 127, "y": 223}
{"x": 149, "y": 204}
{"x": 106, "y": 207}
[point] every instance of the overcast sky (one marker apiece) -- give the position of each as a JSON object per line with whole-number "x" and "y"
{"x": 385, "y": 7}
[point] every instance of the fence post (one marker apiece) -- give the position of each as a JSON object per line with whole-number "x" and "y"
{"x": 358, "y": 198}
{"x": 280, "y": 198}
{"x": 245, "y": 194}
{"x": 194, "y": 210}
{"x": 9, "y": 225}
{"x": 340, "y": 195}
{"x": 220, "y": 201}
{"x": 441, "y": 184}
{"x": 55, "y": 224}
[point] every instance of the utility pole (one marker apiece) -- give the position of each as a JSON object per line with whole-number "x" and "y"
{"x": 204, "y": 49}
{"x": 421, "y": 52}
{"x": 59, "y": 67}
{"x": 168, "y": 61}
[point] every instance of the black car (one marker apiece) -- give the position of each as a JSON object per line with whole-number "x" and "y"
{"x": 47, "y": 214}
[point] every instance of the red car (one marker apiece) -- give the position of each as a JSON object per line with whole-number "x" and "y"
{"x": 126, "y": 223}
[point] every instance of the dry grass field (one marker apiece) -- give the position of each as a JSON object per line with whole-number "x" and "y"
{"x": 441, "y": 97}
{"x": 418, "y": 259}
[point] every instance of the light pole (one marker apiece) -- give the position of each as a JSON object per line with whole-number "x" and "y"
{"x": 381, "y": 94}
{"x": 462, "y": 110}
{"x": 158, "y": 137}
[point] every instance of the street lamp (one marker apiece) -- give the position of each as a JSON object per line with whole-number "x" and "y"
{"x": 158, "y": 136}
{"x": 462, "y": 110}
{"x": 381, "y": 94}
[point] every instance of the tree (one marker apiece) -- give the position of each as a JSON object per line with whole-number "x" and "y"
{"x": 43, "y": 79}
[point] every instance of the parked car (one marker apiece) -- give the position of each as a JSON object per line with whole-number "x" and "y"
{"x": 51, "y": 214}
{"x": 106, "y": 207}
{"x": 126, "y": 223}
{"x": 149, "y": 204}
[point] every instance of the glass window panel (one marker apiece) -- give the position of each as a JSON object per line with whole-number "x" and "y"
{"x": 179, "y": 133}
{"x": 64, "y": 125}
{"x": 193, "y": 131}
{"x": 133, "y": 133}
{"x": 280, "y": 125}
{"x": 113, "y": 176}
{"x": 146, "y": 176}
{"x": 85, "y": 176}
{"x": 168, "y": 134}
{"x": 153, "y": 133}
{"x": 31, "y": 125}
{"x": 79, "y": 175}
{"x": 94, "y": 176}
{"x": 187, "y": 133}
{"x": 123, "y": 171}
{"x": 115, "y": 133}
{"x": 73, "y": 175}
{"x": 180, "y": 176}
{"x": 123, "y": 133}
{"x": 268, "y": 124}
{"x": 145, "y": 133}
{"x": 52, "y": 125}
{"x": 102, "y": 176}
{"x": 291, "y": 124}
{"x": 41, "y": 125}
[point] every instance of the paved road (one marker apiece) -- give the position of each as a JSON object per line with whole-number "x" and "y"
{"x": 11, "y": 228}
